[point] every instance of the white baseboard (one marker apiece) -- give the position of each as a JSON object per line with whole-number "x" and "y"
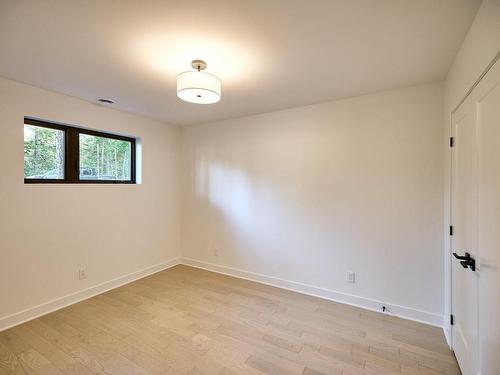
{"x": 447, "y": 334}
{"x": 329, "y": 294}
{"x": 59, "y": 303}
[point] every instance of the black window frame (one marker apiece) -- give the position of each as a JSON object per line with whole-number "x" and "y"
{"x": 72, "y": 154}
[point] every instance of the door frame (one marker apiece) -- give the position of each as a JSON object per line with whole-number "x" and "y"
{"x": 450, "y": 235}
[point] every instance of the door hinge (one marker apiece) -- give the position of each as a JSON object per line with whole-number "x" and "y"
{"x": 452, "y": 319}
{"x": 452, "y": 141}
{"x": 451, "y": 230}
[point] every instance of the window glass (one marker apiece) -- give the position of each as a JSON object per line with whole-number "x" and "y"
{"x": 43, "y": 153}
{"x": 103, "y": 158}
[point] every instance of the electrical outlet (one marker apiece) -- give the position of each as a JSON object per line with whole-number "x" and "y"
{"x": 82, "y": 273}
{"x": 216, "y": 251}
{"x": 350, "y": 277}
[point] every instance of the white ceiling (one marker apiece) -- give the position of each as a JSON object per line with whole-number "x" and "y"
{"x": 270, "y": 54}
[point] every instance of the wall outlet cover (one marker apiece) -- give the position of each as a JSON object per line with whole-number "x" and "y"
{"x": 82, "y": 273}
{"x": 350, "y": 277}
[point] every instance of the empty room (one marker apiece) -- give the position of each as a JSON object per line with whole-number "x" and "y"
{"x": 229, "y": 187}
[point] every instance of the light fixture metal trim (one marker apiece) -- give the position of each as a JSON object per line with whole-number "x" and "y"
{"x": 199, "y": 65}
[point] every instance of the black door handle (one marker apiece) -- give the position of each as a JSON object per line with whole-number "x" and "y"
{"x": 466, "y": 256}
{"x": 466, "y": 261}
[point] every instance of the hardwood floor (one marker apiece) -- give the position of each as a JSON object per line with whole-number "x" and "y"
{"x": 189, "y": 321}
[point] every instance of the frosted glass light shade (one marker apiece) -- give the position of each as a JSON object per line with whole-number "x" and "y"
{"x": 198, "y": 87}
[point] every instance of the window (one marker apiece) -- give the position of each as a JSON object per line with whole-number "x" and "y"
{"x": 56, "y": 153}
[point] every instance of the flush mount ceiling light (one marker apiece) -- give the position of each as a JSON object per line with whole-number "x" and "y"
{"x": 198, "y": 87}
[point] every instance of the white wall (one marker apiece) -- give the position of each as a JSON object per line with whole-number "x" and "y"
{"x": 479, "y": 48}
{"x": 300, "y": 196}
{"x": 48, "y": 231}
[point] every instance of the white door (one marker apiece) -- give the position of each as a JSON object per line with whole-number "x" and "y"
{"x": 476, "y": 221}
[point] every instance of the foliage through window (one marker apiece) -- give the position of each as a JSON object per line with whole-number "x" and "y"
{"x": 43, "y": 153}
{"x": 104, "y": 158}
{"x": 59, "y": 153}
